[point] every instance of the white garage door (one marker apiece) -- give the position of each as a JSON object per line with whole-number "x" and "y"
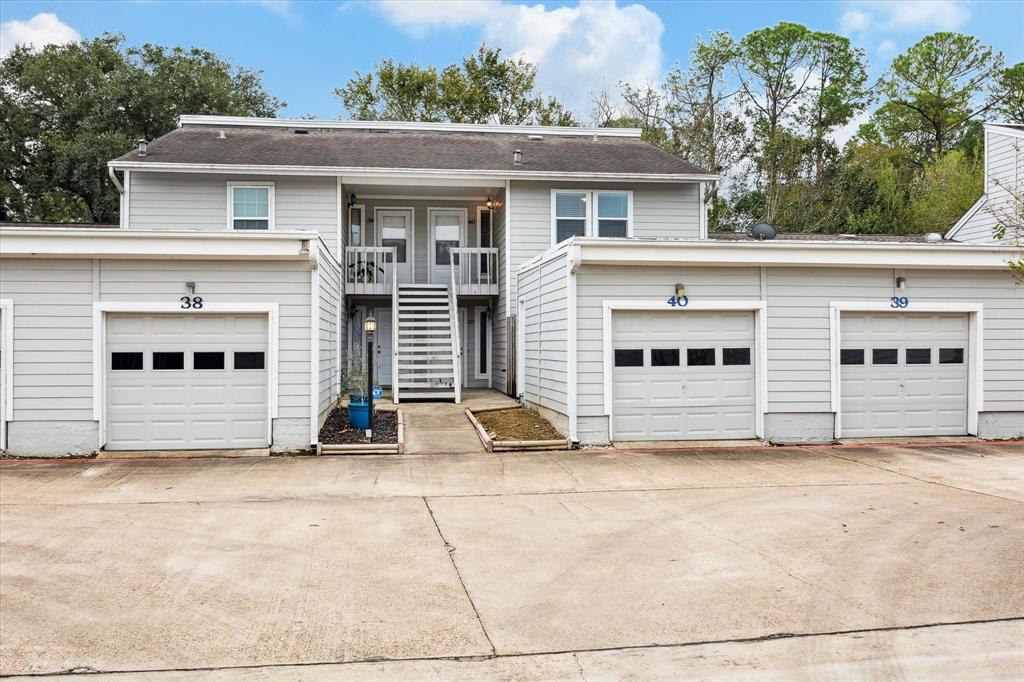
{"x": 183, "y": 382}
{"x": 683, "y": 375}
{"x": 903, "y": 374}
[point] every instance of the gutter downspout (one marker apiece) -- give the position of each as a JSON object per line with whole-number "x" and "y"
{"x": 572, "y": 267}
{"x": 120, "y": 190}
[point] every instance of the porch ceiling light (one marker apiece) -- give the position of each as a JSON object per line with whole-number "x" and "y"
{"x": 490, "y": 202}
{"x": 370, "y": 325}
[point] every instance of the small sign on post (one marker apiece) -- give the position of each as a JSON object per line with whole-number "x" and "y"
{"x": 378, "y": 393}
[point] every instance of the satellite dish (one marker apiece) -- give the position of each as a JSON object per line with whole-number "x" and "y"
{"x": 762, "y": 231}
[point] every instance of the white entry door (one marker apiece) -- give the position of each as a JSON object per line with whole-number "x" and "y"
{"x": 447, "y": 231}
{"x": 382, "y": 339}
{"x": 394, "y": 229}
{"x": 683, "y": 375}
{"x": 903, "y": 374}
{"x": 186, "y": 382}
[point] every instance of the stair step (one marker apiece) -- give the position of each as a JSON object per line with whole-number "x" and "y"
{"x": 425, "y": 350}
{"x": 424, "y": 375}
{"x": 425, "y": 309}
{"x": 406, "y": 285}
{"x": 424, "y": 324}
{"x": 413, "y": 393}
{"x": 421, "y": 340}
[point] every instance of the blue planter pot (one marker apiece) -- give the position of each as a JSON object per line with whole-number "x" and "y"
{"x": 359, "y": 416}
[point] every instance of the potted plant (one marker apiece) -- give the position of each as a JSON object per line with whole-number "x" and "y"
{"x": 358, "y": 398}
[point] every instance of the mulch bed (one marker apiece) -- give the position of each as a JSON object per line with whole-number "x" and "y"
{"x": 336, "y": 430}
{"x": 517, "y": 423}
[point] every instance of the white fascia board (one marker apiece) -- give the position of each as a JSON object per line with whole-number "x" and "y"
{"x": 84, "y": 243}
{"x": 1004, "y": 129}
{"x": 363, "y": 175}
{"x": 966, "y": 216}
{"x": 803, "y": 254}
{"x": 307, "y": 124}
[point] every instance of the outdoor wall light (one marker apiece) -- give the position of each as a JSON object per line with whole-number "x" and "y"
{"x": 490, "y": 202}
{"x": 351, "y": 200}
{"x": 680, "y": 291}
{"x": 901, "y": 282}
{"x": 191, "y": 286}
{"x": 370, "y": 325}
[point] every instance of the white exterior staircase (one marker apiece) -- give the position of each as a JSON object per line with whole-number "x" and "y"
{"x": 427, "y": 353}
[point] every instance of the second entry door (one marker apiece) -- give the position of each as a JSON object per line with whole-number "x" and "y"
{"x": 395, "y": 229}
{"x": 447, "y": 231}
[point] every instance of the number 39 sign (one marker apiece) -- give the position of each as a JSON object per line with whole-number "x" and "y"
{"x": 899, "y": 302}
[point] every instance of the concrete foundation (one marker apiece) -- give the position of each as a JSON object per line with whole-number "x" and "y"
{"x": 558, "y": 420}
{"x": 290, "y": 434}
{"x": 799, "y": 427}
{"x": 592, "y": 430}
{"x": 52, "y": 439}
{"x": 1001, "y": 425}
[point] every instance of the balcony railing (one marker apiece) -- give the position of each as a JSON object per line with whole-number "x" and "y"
{"x": 369, "y": 269}
{"x": 475, "y": 271}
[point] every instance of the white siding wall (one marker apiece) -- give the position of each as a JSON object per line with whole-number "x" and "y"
{"x": 53, "y": 323}
{"x": 499, "y": 352}
{"x": 330, "y": 306}
{"x": 199, "y": 201}
{"x": 544, "y": 290}
{"x": 798, "y": 324}
{"x": 1004, "y": 167}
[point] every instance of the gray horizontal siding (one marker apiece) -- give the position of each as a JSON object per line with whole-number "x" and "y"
{"x": 329, "y": 276}
{"x": 53, "y": 321}
{"x": 500, "y": 346}
{"x": 1004, "y": 168}
{"x": 543, "y": 288}
{"x": 198, "y": 201}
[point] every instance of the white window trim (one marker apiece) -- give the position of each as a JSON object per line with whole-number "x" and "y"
{"x": 477, "y": 374}
{"x": 271, "y": 209}
{"x": 362, "y": 225}
{"x": 6, "y": 367}
{"x": 590, "y": 220}
{"x": 760, "y": 349}
{"x": 99, "y": 350}
{"x": 975, "y": 350}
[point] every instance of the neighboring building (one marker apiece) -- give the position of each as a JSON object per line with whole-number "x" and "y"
{"x": 568, "y": 267}
{"x": 1004, "y": 177}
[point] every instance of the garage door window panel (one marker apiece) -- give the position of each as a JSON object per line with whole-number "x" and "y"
{"x": 629, "y": 357}
{"x": 664, "y": 357}
{"x": 168, "y": 360}
{"x": 207, "y": 360}
{"x": 951, "y": 356}
{"x": 249, "y": 360}
{"x": 125, "y": 362}
{"x": 919, "y": 356}
{"x": 700, "y": 357}
{"x": 851, "y": 356}
{"x": 885, "y": 356}
{"x": 735, "y": 356}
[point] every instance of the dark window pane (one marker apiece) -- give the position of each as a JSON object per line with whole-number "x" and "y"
{"x": 399, "y": 246}
{"x": 168, "y": 360}
{"x": 884, "y": 356}
{"x": 443, "y": 255}
{"x": 612, "y": 228}
{"x": 697, "y": 357}
{"x": 851, "y": 356}
{"x": 735, "y": 356}
{"x": 664, "y": 357}
{"x": 126, "y": 361}
{"x": 919, "y": 356}
{"x": 207, "y": 360}
{"x": 251, "y": 224}
{"x": 629, "y": 357}
{"x": 951, "y": 356}
{"x": 248, "y": 360}
{"x": 485, "y": 240}
{"x": 483, "y": 343}
{"x": 568, "y": 228}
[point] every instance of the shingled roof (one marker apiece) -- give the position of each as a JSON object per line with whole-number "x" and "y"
{"x": 396, "y": 149}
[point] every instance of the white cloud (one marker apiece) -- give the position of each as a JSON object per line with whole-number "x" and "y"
{"x": 854, "y": 21}
{"x": 42, "y": 29}
{"x": 842, "y": 135}
{"x": 887, "y": 48}
{"x": 575, "y": 48}
{"x": 282, "y": 7}
{"x": 904, "y": 15}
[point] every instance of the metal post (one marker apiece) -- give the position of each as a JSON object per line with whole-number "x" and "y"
{"x": 369, "y": 381}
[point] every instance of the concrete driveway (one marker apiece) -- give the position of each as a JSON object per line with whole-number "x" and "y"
{"x": 775, "y": 564}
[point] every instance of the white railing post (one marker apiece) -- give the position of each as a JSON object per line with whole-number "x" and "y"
{"x": 394, "y": 326}
{"x": 453, "y": 314}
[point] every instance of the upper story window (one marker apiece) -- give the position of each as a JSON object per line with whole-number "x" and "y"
{"x": 591, "y": 213}
{"x": 251, "y": 206}
{"x": 355, "y": 224}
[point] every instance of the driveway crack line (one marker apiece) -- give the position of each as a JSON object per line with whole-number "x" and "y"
{"x": 450, "y": 548}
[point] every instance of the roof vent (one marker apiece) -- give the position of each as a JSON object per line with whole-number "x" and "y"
{"x": 933, "y": 238}
{"x": 221, "y": 135}
{"x": 301, "y": 131}
{"x": 847, "y": 236}
{"x": 534, "y": 137}
{"x": 142, "y": 147}
{"x": 762, "y": 231}
{"x": 517, "y": 157}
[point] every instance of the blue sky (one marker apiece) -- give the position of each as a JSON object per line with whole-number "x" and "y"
{"x": 306, "y": 49}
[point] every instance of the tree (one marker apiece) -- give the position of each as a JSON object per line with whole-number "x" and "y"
{"x": 69, "y": 109}
{"x": 934, "y": 89}
{"x": 1010, "y": 90}
{"x": 943, "y": 191}
{"x": 484, "y": 88}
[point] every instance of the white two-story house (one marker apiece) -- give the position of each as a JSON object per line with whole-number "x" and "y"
{"x": 568, "y": 267}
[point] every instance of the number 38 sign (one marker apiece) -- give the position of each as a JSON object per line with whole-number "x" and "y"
{"x": 191, "y": 302}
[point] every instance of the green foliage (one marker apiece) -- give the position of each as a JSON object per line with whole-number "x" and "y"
{"x": 1010, "y": 91}
{"x": 69, "y": 109}
{"x": 485, "y": 88}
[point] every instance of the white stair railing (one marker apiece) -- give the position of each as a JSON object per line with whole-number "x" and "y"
{"x": 369, "y": 269}
{"x": 453, "y": 314}
{"x": 475, "y": 269}
{"x": 394, "y": 332}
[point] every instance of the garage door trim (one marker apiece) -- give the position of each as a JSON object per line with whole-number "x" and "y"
{"x": 975, "y": 348}
{"x": 757, "y": 307}
{"x": 99, "y": 347}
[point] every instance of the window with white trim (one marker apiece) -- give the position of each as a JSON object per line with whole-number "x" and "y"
{"x": 591, "y": 213}
{"x": 355, "y": 224}
{"x": 251, "y": 207}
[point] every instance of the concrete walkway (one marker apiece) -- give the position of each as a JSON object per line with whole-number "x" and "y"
{"x": 443, "y": 428}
